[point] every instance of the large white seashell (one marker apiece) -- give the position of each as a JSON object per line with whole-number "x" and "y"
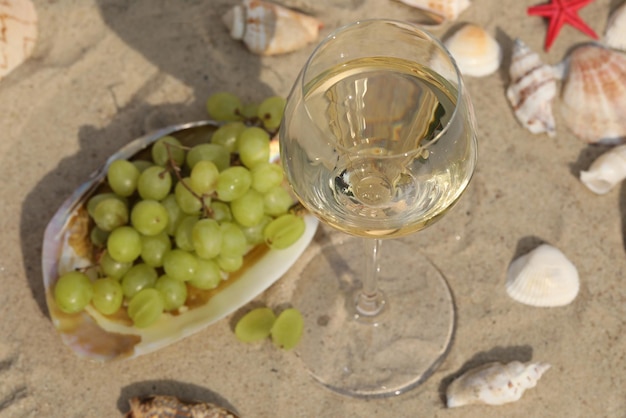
{"x": 531, "y": 90}
{"x": 607, "y": 171}
{"x": 18, "y": 33}
{"x": 450, "y": 9}
{"x": 269, "y": 29}
{"x": 594, "y": 94}
{"x": 476, "y": 52}
{"x": 615, "y": 35}
{"x": 543, "y": 277}
{"x": 494, "y": 383}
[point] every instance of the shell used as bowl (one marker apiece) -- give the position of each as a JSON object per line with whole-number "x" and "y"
{"x": 67, "y": 247}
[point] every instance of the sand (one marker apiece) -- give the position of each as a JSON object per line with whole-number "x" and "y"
{"x": 105, "y": 72}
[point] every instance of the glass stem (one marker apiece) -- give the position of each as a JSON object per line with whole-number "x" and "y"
{"x": 370, "y": 300}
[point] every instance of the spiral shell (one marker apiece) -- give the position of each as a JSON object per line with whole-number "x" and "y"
{"x": 18, "y": 33}
{"x": 594, "y": 94}
{"x": 450, "y": 9}
{"x": 607, "y": 171}
{"x": 494, "y": 383}
{"x": 269, "y": 29}
{"x": 615, "y": 35}
{"x": 532, "y": 89}
{"x": 543, "y": 277}
{"x": 475, "y": 51}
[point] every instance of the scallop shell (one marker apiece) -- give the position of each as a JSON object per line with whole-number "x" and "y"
{"x": 18, "y": 33}
{"x": 450, "y": 9}
{"x": 170, "y": 406}
{"x": 594, "y": 94}
{"x": 531, "y": 90}
{"x": 607, "y": 171}
{"x": 615, "y": 35}
{"x": 475, "y": 51}
{"x": 269, "y": 29}
{"x": 66, "y": 247}
{"x": 543, "y": 277}
{"x": 494, "y": 383}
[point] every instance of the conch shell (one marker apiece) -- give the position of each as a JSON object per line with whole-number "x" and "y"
{"x": 18, "y": 33}
{"x": 170, "y": 406}
{"x": 494, "y": 383}
{"x": 532, "y": 89}
{"x": 269, "y": 29}
{"x": 543, "y": 277}
{"x": 450, "y": 9}
{"x": 475, "y": 51}
{"x": 607, "y": 171}
{"x": 615, "y": 35}
{"x": 594, "y": 94}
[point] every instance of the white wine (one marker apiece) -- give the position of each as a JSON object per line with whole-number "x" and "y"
{"x": 378, "y": 159}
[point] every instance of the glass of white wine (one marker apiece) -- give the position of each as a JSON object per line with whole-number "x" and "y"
{"x": 377, "y": 141}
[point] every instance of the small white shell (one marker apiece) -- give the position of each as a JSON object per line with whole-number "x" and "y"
{"x": 532, "y": 89}
{"x": 475, "y": 51}
{"x": 543, "y": 277}
{"x": 615, "y": 35}
{"x": 450, "y": 9}
{"x": 607, "y": 171}
{"x": 270, "y": 29}
{"x": 494, "y": 383}
{"x": 18, "y": 33}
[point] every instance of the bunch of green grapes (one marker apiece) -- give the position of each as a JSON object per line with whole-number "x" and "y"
{"x": 186, "y": 218}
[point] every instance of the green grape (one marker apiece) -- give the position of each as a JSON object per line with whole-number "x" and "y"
{"x": 124, "y": 244}
{"x": 224, "y": 106}
{"x": 174, "y": 292}
{"x": 203, "y": 177}
{"x": 287, "y": 329}
{"x": 146, "y": 307}
{"x": 254, "y": 234}
{"x": 107, "y": 295}
{"x": 186, "y": 200}
{"x": 229, "y": 263}
{"x": 284, "y": 231}
{"x": 112, "y": 268}
{"x": 142, "y": 165}
{"x": 140, "y": 276}
{"x": 253, "y": 145}
{"x": 154, "y": 183}
{"x": 255, "y": 325}
{"x": 180, "y": 265}
{"x": 233, "y": 240}
{"x": 277, "y": 201}
{"x": 206, "y": 237}
{"x": 226, "y": 135}
{"x": 265, "y": 176}
{"x": 208, "y": 275}
{"x": 110, "y": 213}
{"x": 221, "y": 211}
{"x": 232, "y": 183}
{"x": 160, "y": 154}
{"x": 250, "y": 110}
{"x": 98, "y": 237}
{"x": 93, "y": 202}
{"x": 271, "y": 112}
{"x": 149, "y": 217}
{"x": 122, "y": 177}
{"x": 248, "y": 209}
{"x": 154, "y": 247}
{"x": 218, "y": 154}
{"x": 73, "y": 291}
{"x": 184, "y": 233}
{"x": 174, "y": 214}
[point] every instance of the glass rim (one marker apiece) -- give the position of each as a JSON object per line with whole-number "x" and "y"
{"x": 400, "y": 23}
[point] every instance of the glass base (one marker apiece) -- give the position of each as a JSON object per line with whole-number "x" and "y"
{"x": 373, "y": 356}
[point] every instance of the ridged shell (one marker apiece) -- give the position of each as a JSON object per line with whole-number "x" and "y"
{"x": 531, "y": 90}
{"x": 450, "y": 9}
{"x": 269, "y": 29}
{"x": 494, "y": 383}
{"x": 475, "y": 51}
{"x": 594, "y": 94}
{"x": 615, "y": 35}
{"x": 607, "y": 171}
{"x": 18, "y": 33}
{"x": 543, "y": 277}
{"x": 170, "y": 406}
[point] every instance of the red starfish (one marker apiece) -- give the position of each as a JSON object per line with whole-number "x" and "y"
{"x": 561, "y": 12}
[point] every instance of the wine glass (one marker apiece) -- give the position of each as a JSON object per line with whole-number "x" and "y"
{"x": 377, "y": 141}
